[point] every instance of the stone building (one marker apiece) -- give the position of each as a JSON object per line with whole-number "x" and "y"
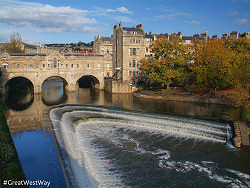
{"x": 234, "y": 35}
{"x": 103, "y": 45}
{"x": 128, "y": 51}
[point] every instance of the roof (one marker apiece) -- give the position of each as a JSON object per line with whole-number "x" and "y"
{"x": 160, "y": 36}
{"x": 187, "y": 38}
{"x": 24, "y": 54}
{"x": 133, "y": 29}
{"x": 107, "y": 39}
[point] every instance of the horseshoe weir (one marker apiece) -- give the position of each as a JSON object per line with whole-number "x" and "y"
{"x": 111, "y": 147}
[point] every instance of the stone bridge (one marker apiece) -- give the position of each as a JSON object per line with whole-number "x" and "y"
{"x": 70, "y": 67}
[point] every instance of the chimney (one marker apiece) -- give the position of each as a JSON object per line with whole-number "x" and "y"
{"x": 204, "y": 35}
{"x": 215, "y": 37}
{"x": 234, "y": 35}
{"x": 179, "y": 35}
{"x": 139, "y": 26}
{"x": 196, "y": 35}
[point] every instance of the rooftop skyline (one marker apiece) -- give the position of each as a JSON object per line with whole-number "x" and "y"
{"x": 64, "y": 21}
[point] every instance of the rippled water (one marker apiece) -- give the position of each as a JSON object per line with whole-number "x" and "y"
{"x": 108, "y": 148}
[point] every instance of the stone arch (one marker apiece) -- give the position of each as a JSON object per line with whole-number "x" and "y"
{"x": 95, "y": 81}
{"x": 20, "y": 76}
{"x": 17, "y": 95}
{"x": 53, "y": 76}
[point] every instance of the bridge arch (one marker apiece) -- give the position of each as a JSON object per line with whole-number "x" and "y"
{"x": 65, "y": 82}
{"x": 87, "y": 81}
{"x": 19, "y": 77}
{"x": 19, "y": 93}
{"x": 54, "y": 92}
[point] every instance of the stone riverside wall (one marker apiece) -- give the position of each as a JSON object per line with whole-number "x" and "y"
{"x": 117, "y": 86}
{"x": 242, "y": 134}
{"x": 184, "y": 98}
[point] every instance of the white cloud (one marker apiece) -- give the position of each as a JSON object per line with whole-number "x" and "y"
{"x": 195, "y": 22}
{"x": 123, "y": 10}
{"x": 104, "y": 11}
{"x": 172, "y": 12}
{"x": 124, "y": 19}
{"x": 158, "y": 18}
{"x": 45, "y": 18}
{"x": 234, "y": 13}
{"x": 241, "y": 21}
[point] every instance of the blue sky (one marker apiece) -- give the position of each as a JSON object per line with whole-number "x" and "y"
{"x": 66, "y": 21}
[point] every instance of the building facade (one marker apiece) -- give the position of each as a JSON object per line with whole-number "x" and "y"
{"x": 103, "y": 45}
{"x": 128, "y": 51}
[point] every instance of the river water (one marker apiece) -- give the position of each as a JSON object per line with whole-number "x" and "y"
{"x": 135, "y": 143}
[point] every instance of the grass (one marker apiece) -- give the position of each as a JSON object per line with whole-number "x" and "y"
{"x": 10, "y": 166}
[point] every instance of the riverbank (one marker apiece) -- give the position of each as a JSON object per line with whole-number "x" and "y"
{"x": 10, "y": 165}
{"x": 185, "y": 98}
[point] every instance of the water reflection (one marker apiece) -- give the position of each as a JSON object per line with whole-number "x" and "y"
{"x": 53, "y": 91}
{"x": 36, "y": 107}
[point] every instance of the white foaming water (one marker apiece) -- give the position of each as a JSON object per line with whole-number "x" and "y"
{"x": 88, "y": 162}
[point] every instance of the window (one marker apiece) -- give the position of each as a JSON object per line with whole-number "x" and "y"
{"x": 147, "y": 50}
{"x": 138, "y": 65}
{"x": 61, "y": 65}
{"x": 130, "y": 73}
{"x": 43, "y": 65}
{"x": 72, "y": 65}
{"x": 137, "y": 73}
{"x": 48, "y": 65}
{"x": 31, "y": 66}
{"x": 108, "y": 66}
{"x": 88, "y": 65}
{"x": 77, "y": 65}
{"x": 37, "y": 66}
{"x": 98, "y": 65}
{"x": 66, "y": 66}
{"x": 18, "y": 65}
{"x": 134, "y": 73}
{"x": 133, "y": 51}
{"x": 107, "y": 74}
{"x": 134, "y": 63}
{"x": 130, "y": 64}
{"x": 5, "y": 66}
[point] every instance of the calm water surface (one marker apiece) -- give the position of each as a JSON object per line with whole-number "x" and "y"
{"x": 165, "y": 161}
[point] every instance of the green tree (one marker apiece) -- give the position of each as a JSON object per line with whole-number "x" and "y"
{"x": 15, "y": 44}
{"x": 212, "y": 66}
{"x": 168, "y": 63}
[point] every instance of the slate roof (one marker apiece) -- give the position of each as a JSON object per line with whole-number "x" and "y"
{"x": 139, "y": 31}
{"x": 107, "y": 39}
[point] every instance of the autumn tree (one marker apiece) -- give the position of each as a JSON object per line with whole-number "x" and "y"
{"x": 168, "y": 63}
{"x": 212, "y": 65}
{"x": 15, "y": 44}
{"x": 240, "y": 70}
